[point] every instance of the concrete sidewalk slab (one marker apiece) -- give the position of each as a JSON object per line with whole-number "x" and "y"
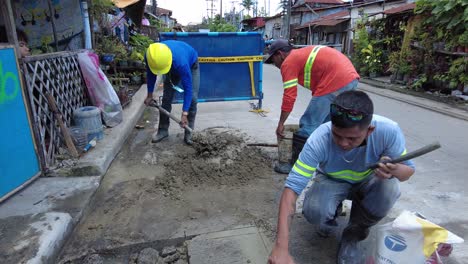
{"x": 415, "y": 98}
{"x": 35, "y": 223}
{"x": 60, "y": 194}
{"x": 97, "y": 160}
{"x": 34, "y": 238}
{"x": 241, "y": 245}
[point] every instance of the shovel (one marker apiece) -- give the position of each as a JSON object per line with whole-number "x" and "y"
{"x": 154, "y": 103}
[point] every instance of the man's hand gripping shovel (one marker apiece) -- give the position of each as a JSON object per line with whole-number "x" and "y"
{"x": 154, "y": 103}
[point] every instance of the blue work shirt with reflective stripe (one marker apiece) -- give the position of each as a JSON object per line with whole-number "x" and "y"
{"x": 321, "y": 153}
{"x": 183, "y": 58}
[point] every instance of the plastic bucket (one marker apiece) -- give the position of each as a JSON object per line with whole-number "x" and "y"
{"x": 285, "y": 144}
{"x": 88, "y": 118}
{"x": 80, "y": 137}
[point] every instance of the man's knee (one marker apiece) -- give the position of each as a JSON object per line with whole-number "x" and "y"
{"x": 383, "y": 198}
{"x": 311, "y": 211}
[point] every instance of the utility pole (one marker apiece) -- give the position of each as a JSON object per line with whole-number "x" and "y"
{"x": 221, "y": 8}
{"x": 210, "y": 9}
{"x": 288, "y": 20}
{"x": 154, "y": 7}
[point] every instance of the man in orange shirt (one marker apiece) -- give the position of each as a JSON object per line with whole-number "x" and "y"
{"x": 321, "y": 69}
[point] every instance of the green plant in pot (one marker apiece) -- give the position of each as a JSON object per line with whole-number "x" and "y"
{"x": 136, "y": 77}
{"x": 372, "y": 60}
{"x": 458, "y": 73}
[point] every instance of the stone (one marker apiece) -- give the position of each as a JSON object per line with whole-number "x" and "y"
{"x": 148, "y": 256}
{"x": 168, "y": 251}
{"x": 94, "y": 259}
{"x": 133, "y": 258}
{"x": 172, "y": 258}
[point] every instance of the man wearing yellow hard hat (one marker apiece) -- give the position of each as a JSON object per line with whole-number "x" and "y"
{"x": 178, "y": 63}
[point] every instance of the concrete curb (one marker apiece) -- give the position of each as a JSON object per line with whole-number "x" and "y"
{"x": 396, "y": 92}
{"x": 97, "y": 160}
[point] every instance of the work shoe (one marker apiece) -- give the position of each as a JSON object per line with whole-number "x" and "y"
{"x": 159, "y": 136}
{"x": 349, "y": 252}
{"x": 188, "y": 138}
{"x": 282, "y": 167}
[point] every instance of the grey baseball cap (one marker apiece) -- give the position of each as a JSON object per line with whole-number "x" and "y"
{"x": 275, "y": 46}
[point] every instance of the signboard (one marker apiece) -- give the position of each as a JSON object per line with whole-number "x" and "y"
{"x": 231, "y": 64}
{"x": 19, "y": 163}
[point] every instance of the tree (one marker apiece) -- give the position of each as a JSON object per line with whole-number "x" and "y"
{"x": 247, "y": 4}
{"x": 220, "y": 25}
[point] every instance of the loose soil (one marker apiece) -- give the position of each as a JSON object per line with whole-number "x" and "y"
{"x": 220, "y": 157}
{"x": 157, "y": 193}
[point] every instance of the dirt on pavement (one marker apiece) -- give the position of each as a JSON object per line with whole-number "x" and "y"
{"x": 220, "y": 157}
{"x": 158, "y": 193}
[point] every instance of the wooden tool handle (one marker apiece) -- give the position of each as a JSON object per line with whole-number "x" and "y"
{"x": 411, "y": 155}
{"x": 154, "y": 103}
{"x": 63, "y": 127}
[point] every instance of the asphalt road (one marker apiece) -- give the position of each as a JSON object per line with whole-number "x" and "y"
{"x": 437, "y": 189}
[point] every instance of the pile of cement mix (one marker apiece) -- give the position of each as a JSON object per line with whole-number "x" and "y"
{"x": 221, "y": 157}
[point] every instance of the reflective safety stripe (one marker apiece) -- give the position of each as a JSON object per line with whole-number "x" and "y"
{"x": 290, "y": 83}
{"x": 308, "y": 66}
{"x": 303, "y": 169}
{"x": 350, "y": 175}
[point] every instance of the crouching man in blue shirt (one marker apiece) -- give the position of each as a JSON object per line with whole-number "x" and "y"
{"x": 338, "y": 153}
{"x": 178, "y": 62}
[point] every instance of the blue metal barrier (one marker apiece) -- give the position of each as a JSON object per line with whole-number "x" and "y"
{"x": 230, "y": 64}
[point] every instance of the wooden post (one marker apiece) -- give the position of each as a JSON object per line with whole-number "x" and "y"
{"x": 52, "y": 21}
{"x": 63, "y": 127}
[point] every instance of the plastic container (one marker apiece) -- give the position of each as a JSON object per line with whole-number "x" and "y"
{"x": 80, "y": 137}
{"x": 88, "y": 118}
{"x": 285, "y": 144}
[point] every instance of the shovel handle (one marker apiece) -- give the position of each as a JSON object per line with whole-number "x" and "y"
{"x": 408, "y": 156}
{"x": 154, "y": 103}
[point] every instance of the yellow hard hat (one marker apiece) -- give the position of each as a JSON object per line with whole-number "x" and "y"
{"x": 159, "y": 58}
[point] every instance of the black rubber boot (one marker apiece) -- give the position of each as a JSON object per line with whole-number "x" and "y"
{"x": 283, "y": 167}
{"x": 191, "y": 123}
{"x": 297, "y": 146}
{"x": 162, "y": 134}
{"x": 357, "y": 230}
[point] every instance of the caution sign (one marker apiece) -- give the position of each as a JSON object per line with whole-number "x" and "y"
{"x": 230, "y": 59}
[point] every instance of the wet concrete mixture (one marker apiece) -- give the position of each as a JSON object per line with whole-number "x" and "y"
{"x": 161, "y": 195}
{"x": 220, "y": 157}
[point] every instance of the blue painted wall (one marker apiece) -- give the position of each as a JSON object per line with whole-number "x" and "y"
{"x": 18, "y": 158}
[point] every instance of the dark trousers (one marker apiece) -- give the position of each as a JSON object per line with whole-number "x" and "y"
{"x": 169, "y": 92}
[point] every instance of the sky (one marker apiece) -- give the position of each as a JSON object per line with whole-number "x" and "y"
{"x": 192, "y": 11}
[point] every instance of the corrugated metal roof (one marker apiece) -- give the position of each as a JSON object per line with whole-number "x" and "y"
{"x": 328, "y": 20}
{"x": 337, "y": 2}
{"x": 400, "y": 9}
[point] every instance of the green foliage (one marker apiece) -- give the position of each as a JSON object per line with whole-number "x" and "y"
{"x": 111, "y": 45}
{"x": 361, "y": 41}
{"x": 247, "y": 4}
{"x": 448, "y": 15}
{"x": 220, "y": 25}
{"x": 419, "y": 82}
{"x": 458, "y": 72}
{"x": 139, "y": 43}
{"x": 372, "y": 58}
{"x": 394, "y": 61}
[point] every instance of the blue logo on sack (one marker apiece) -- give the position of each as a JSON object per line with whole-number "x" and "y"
{"x": 395, "y": 243}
